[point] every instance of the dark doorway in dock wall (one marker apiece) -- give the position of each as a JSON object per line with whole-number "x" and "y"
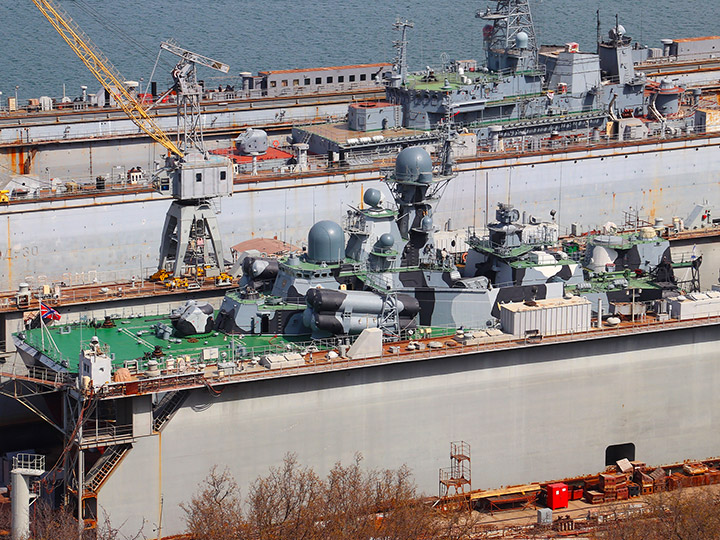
{"x": 616, "y": 452}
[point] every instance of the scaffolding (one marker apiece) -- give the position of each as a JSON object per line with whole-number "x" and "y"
{"x": 456, "y": 479}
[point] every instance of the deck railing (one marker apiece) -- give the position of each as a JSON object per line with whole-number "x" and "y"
{"x": 321, "y": 362}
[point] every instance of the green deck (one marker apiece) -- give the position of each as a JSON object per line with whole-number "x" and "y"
{"x": 125, "y": 344}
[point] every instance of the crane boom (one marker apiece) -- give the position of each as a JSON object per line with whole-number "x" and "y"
{"x": 194, "y": 57}
{"x": 104, "y": 72}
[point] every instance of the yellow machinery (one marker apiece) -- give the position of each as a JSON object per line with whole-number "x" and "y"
{"x": 104, "y": 71}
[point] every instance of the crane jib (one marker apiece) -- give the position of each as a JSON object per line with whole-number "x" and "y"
{"x": 104, "y": 72}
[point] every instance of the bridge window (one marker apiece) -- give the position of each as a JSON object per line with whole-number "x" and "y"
{"x": 273, "y": 84}
{"x": 198, "y": 177}
{"x": 307, "y": 81}
{"x": 296, "y": 82}
{"x": 363, "y": 76}
{"x": 352, "y": 78}
{"x": 284, "y": 83}
{"x": 318, "y": 80}
{"x": 341, "y": 78}
{"x": 223, "y": 175}
{"x": 329, "y": 80}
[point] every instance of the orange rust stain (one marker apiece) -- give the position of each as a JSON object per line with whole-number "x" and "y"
{"x": 17, "y": 161}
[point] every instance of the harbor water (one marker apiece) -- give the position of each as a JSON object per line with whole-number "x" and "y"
{"x": 254, "y": 35}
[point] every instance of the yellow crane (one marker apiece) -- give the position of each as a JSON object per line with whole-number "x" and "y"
{"x": 104, "y": 72}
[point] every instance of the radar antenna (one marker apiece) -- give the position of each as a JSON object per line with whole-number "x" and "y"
{"x": 400, "y": 61}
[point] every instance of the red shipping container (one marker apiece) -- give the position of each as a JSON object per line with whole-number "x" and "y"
{"x": 557, "y": 496}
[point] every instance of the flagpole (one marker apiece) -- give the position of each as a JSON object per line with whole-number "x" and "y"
{"x": 42, "y": 324}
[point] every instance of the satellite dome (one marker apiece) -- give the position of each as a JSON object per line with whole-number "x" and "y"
{"x": 413, "y": 164}
{"x": 372, "y": 197}
{"x": 426, "y": 224}
{"x": 326, "y": 242}
{"x": 386, "y": 240}
{"x": 522, "y": 40}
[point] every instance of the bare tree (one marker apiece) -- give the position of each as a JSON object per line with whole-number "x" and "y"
{"x": 47, "y": 523}
{"x": 350, "y": 501}
{"x": 404, "y": 516}
{"x": 293, "y": 503}
{"x": 285, "y": 503}
{"x": 687, "y": 514}
{"x": 107, "y": 531}
{"x": 215, "y": 511}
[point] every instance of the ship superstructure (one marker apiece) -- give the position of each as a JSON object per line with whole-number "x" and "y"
{"x": 526, "y": 91}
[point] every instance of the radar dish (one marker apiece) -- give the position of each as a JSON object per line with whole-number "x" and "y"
{"x": 444, "y": 60}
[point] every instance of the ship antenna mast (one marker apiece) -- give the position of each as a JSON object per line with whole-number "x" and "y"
{"x": 400, "y": 60}
{"x": 512, "y": 35}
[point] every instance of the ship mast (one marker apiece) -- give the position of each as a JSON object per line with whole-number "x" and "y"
{"x": 511, "y": 39}
{"x": 400, "y": 61}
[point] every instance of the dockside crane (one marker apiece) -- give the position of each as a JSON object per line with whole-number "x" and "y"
{"x": 103, "y": 71}
{"x": 189, "y": 92}
{"x": 192, "y": 176}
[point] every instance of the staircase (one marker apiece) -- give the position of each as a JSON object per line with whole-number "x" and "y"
{"x": 104, "y": 466}
{"x": 168, "y": 405}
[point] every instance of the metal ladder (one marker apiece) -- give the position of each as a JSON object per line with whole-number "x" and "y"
{"x": 170, "y": 403}
{"x": 104, "y": 466}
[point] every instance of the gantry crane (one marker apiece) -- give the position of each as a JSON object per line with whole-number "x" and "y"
{"x": 191, "y": 235}
{"x": 191, "y": 175}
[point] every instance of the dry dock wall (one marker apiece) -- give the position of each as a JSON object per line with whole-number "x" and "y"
{"x": 78, "y": 240}
{"x": 532, "y": 414}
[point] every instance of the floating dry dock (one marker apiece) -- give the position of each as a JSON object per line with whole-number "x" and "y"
{"x": 601, "y": 387}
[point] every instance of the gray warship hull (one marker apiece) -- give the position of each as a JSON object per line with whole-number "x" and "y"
{"x": 88, "y": 237}
{"x": 530, "y": 413}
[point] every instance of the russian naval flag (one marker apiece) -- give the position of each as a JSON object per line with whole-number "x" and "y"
{"x": 48, "y": 313}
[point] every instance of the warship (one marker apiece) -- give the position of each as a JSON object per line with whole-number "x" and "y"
{"x": 587, "y": 135}
{"x": 552, "y": 356}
